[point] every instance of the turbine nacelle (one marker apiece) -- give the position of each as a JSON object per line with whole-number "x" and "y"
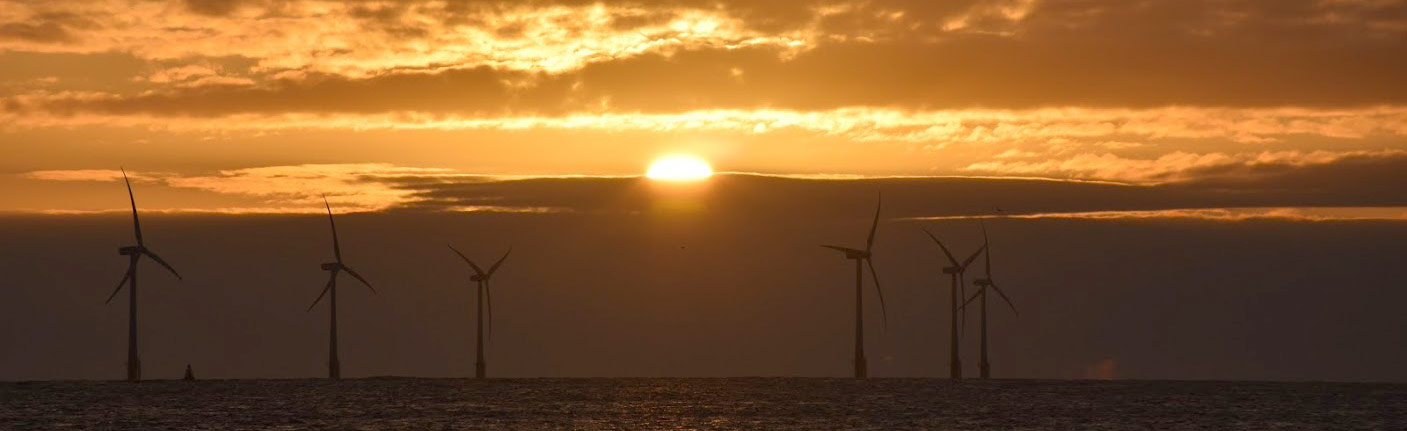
{"x": 984, "y": 282}
{"x": 331, "y": 266}
{"x": 952, "y": 270}
{"x": 130, "y": 250}
{"x": 477, "y": 278}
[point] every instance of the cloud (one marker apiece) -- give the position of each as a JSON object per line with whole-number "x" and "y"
{"x": 1303, "y": 187}
{"x": 1305, "y": 214}
{"x": 685, "y": 55}
{"x": 353, "y": 186}
{"x": 361, "y": 39}
{"x": 1060, "y": 130}
{"x": 48, "y": 32}
{"x": 1177, "y": 166}
{"x": 103, "y": 175}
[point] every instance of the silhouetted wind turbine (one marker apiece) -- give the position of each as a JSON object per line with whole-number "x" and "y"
{"x": 134, "y": 253}
{"x": 862, "y": 258}
{"x": 484, "y": 294}
{"x": 334, "y": 368}
{"x": 956, "y": 272}
{"x": 982, "y": 285}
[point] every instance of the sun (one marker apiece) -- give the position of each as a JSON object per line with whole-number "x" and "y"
{"x": 679, "y": 168}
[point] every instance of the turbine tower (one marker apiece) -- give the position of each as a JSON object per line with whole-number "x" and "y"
{"x": 955, "y": 271}
{"x": 483, "y": 294}
{"x": 134, "y": 254}
{"x": 334, "y": 368}
{"x": 863, "y": 258}
{"x": 982, "y": 285}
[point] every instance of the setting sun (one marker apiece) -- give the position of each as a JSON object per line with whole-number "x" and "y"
{"x": 679, "y": 168}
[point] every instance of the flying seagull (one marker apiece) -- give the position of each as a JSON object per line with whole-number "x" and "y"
{"x": 863, "y": 258}
{"x": 483, "y": 295}
{"x": 982, "y": 285}
{"x": 955, "y": 271}
{"x": 134, "y": 254}
{"x": 334, "y": 368}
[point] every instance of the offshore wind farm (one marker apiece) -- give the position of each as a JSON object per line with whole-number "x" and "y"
{"x": 720, "y": 215}
{"x": 518, "y": 403}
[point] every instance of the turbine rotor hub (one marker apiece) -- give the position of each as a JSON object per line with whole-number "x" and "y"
{"x": 129, "y": 250}
{"x": 952, "y": 270}
{"x": 331, "y": 266}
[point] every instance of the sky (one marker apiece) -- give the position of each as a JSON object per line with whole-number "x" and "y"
{"x": 1202, "y": 189}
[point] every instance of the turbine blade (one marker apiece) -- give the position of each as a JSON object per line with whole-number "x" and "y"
{"x": 1004, "y": 298}
{"x": 494, "y": 268}
{"x": 120, "y": 283}
{"x": 466, "y": 260}
{"x": 336, "y": 248}
{"x": 973, "y": 257}
{"x": 163, "y": 263}
{"x": 488, "y": 299}
{"x": 884, "y": 310}
{"x": 869, "y": 242}
{"x": 332, "y": 280}
{"x": 969, "y": 299}
{"x": 359, "y": 278}
{"x": 951, "y": 259}
{"x": 136, "y": 224}
{"x": 842, "y": 249}
{"x": 962, "y": 292}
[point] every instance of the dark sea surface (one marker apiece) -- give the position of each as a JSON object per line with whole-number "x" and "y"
{"x": 703, "y": 404}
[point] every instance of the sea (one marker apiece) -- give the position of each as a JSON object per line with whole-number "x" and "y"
{"x": 700, "y": 404}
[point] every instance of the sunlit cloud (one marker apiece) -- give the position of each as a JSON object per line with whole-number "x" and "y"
{"x": 350, "y": 185}
{"x": 296, "y": 189}
{"x": 300, "y": 209}
{"x": 361, "y": 39}
{"x": 993, "y": 17}
{"x": 217, "y": 210}
{"x": 507, "y": 209}
{"x": 837, "y": 90}
{"x": 283, "y": 189}
{"x": 90, "y": 175}
{"x": 372, "y": 187}
{"x": 1053, "y": 128}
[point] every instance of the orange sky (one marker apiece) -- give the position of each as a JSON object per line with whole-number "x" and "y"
{"x": 262, "y": 105}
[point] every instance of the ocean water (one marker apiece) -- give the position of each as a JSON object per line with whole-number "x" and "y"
{"x": 701, "y": 404}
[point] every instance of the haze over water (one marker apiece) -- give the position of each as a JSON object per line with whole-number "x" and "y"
{"x": 702, "y": 404}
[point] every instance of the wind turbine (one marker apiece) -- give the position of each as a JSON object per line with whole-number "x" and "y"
{"x": 334, "y": 368}
{"x": 956, "y": 272}
{"x": 982, "y": 285}
{"x": 134, "y": 254}
{"x": 862, "y": 258}
{"x": 483, "y": 295}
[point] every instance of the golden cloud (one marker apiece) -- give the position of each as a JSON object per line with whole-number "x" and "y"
{"x": 360, "y": 39}
{"x": 1055, "y": 128}
{"x": 104, "y": 175}
{"x": 293, "y": 189}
